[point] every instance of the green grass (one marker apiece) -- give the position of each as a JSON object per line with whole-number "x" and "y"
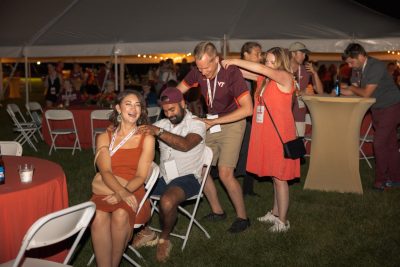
{"x": 327, "y": 229}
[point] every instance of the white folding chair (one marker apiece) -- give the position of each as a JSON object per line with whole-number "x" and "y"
{"x": 207, "y": 158}
{"x": 153, "y": 113}
{"x": 150, "y": 182}
{"x": 26, "y": 129}
{"x": 35, "y": 112}
{"x": 103, "y": 115}
{"x": 366, "y": 138}
{"x": 52, "y": 229}
{"x": 10, "y": 148}
{"x": 61, "y": 115}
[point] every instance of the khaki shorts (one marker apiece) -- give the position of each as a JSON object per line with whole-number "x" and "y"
{"x": 227, "y": 143}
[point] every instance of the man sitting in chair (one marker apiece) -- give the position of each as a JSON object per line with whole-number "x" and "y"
{"x": 181, "y": 140}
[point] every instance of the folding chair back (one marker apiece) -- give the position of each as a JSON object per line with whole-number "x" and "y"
{"x": 366, "y": 138}
{"x": 35, "y": 111}
{"x": 56, "y": 227}
{"x": 26, "y": 129}
{"x": 61, "y": 115}
{"x": 153, "y": 113}
{"x": 103, "y": 115}
{"x": 207, "y": 159}
{"x": 10, "y": 148}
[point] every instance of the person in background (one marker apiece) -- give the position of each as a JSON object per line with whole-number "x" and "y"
{"x": 149, "y": 93}
{"x": 77, "y": 76}
{"x": 229, "y": 103}
{"x": 182, "y": 142}
{"x": 52, "y": 85}
{"x": 375, "y": 81}
{"x": 69, "y": 96}
{"x": 302, "y": 73}
{"x": 266, "y": 157}
{"x": 123, "y": 152}
{"x": 251, "y": 51}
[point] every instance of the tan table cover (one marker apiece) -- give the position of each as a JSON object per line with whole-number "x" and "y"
{"x": 334, "y": 158}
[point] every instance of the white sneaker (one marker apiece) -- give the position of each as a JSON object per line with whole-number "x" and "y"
{"x": 268, "y": 218}
{"x": 279, "y": 227}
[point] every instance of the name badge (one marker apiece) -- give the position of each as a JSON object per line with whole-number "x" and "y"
{"x": 53, "y": 90}
{"x": 260, "y": 114}
{"x": 216, "y": 128}
{"x": 300, "y": 103}
{"x": 171, "y": 170}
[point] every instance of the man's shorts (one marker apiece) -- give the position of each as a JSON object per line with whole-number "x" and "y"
{"x": 227, "y": 143}
{"x": 188, "y": 183}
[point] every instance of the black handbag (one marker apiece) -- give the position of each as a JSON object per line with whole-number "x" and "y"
{"x": 293, "y": 149}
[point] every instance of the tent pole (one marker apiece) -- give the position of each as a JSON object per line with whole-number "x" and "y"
{"x": 116, "y": 70}
{"x": 122, "y": 74}
{"x": 1, "y": 82}
{"x": 224, "y": 47}
{"x": 26, "y": 81}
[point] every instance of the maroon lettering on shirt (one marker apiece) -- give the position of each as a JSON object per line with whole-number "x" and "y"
{"x": 230, "y": 87}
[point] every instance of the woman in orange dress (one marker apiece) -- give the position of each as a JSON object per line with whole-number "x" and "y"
{"x": 266, "y": 156}
{"x": 125, "y": 153}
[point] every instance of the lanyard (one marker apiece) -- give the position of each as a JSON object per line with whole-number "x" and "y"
{"x": 212, "y": 95}
{"x": 112, "y": 151}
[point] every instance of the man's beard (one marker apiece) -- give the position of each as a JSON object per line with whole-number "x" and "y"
{"x": 179, "y": 117}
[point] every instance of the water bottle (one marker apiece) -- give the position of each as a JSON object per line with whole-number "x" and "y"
{"x": 337, "y": 88}
{"x": 2, "y": 171}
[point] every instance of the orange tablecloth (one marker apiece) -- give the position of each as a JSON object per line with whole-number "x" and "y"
{"x": 82, "y": 121}
{"x": 22, "y": 204}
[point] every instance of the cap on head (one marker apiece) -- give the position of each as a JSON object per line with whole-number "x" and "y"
{"x": 297, "y": 46}
{"x": 171, "y": 95}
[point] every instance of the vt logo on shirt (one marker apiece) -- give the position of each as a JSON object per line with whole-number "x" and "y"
{"x": 221, "y": 84}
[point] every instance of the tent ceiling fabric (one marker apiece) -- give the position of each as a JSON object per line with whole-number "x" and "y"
{"x": 128, "y": 27}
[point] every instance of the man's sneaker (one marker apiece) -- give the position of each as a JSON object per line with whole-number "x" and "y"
{"x": 145, "y": 238}
{"x": 163, "y": 250}
{"x": 390, "y": 183}
{"x": 279, "y": 227}
{"x": 268, "y": 218}
{"x": 239, "y": 225}
{"x": 214, "y": 217}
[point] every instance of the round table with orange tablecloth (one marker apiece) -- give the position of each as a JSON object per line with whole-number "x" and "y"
{"x": 82, "y": 120}
{"x": 21, "y": 204}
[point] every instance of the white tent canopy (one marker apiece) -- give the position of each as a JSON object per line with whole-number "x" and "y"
{"x": 48, "y": 28}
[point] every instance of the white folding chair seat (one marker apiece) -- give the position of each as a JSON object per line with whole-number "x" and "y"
{"x": 35, "y": 112}
{"x": 366, "y": 138}
{"x": 153, "y": 113}
{"x": 103, "y": 115}
{"x": 10, "y": 148}
{"x": 25, "y": 129}
{"x": 207, "y": 158}
{"x": 150, "y": 182}
{"x": 61, "y": 115}
{"x": 52, "y": 229}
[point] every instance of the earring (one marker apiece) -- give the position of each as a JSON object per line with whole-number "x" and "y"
{"x": 119, "y": 118}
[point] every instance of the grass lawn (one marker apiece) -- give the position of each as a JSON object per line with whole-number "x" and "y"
{"x": 327, "y": 229}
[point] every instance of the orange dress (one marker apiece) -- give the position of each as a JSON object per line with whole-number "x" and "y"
{"x": 265, "y": 156}
{"x": 124, "y": 163}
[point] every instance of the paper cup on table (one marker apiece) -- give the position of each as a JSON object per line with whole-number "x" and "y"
{"x": 26, "y": 173}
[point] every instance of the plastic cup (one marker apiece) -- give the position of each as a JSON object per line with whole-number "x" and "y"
{"x": 26, "y": 172}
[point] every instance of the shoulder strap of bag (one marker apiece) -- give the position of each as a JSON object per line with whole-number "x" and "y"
{"x": 270, "y": 116}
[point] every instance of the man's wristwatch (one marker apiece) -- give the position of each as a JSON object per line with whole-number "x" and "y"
{"x": 160, "y": 132}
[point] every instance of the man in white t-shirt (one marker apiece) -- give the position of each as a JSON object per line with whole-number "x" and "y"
{"x": 181, "y": 140}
